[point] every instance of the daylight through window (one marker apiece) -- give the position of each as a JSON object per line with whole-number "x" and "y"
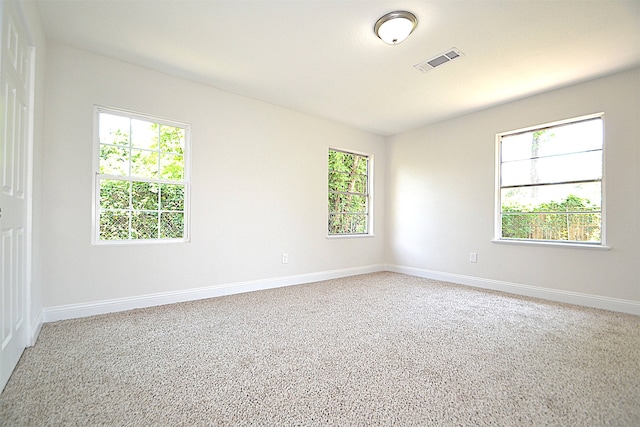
{"x": 550, "y": 186}
{"x": 348, "y": 193}
{"x": 141, "y": 178}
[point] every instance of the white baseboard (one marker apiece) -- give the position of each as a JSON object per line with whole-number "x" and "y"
{"x": 72, "y": 311}
{"x": 588, "y": 300}
{"x": 36, "y": 326}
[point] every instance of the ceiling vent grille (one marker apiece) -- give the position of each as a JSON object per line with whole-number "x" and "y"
{"x": 439, "y": 60}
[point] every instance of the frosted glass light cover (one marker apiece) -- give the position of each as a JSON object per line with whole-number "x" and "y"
{"x": 395, "y": 31}
{"x": 395, "y": 27}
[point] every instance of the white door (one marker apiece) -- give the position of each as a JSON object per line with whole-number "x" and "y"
{"x": 15, "y": 87}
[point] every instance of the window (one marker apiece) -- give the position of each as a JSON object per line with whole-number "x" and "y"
{"x": 550, "y": 182}
{"x": 141, "y": 169}
{"x": 349, "y": 195}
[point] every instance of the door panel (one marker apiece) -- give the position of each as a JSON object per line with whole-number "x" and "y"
{"x": 15, "y": 87}
{"x": 7, "y": 306}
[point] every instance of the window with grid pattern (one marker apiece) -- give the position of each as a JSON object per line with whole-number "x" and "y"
{"x": 349, "y": 195}
{"x": 550, "y": 182}
{"x": 142, "y": 189}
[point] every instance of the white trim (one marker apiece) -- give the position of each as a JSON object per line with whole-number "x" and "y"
{"x": 497, "y": 204}
{"x": 140, "y": 242}
{"x": 553, "y": 243}
{"x": 129, "y": 114}
{"x": 554, "y": 124}
{"x": 588, "y": 300}
{"x": 72, "y": 311}
{"x": 29, "y": 191}
{"x": 348, "y": 236}
{"x": 36, "y": 326}
{"x": 95, "y": 209}
{"x": 603, "y": 185}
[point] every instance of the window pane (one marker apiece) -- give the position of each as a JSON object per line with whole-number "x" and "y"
{"x": 336, "y": 224}
{"x": 172, "y": 167}
{"x": 172, "y": 139}
{"x": 114, "y": 130}
{"x": 344, "y": 182}
{"x": 360, "y": 184}
{"x": 114, "y": 194}
{"x": 585, "y": 227}
{"x": 347, "y": 224}
{"x": 347, "y": 162}
{"x": 356, "y": 203}
{"x": 563, "y": 139}
{"x": 171, "y": 225}
{"x": 144, "y": 225}
{"x": 339, "y": 161}
{"x": 563, "y": 197}
{"x": 359, "y": 223}
{"x": 172, "y": 197}
{"x": 144, "y": 163}
{"x": 114, "y": 160}
{"x": 114, "y": 225}
{"x": 144, "y": 196}
{"x": 339, "y": 203}
{"x": 334, "y": 203}
{"x": 338, "y": 181}
{"x": 576, "y": 227}
{"x": 569, "y": 167}
{"x": 144, "y": 134}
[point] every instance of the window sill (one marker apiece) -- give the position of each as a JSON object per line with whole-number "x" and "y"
{"x": 140, "y": 242}
{"x": 587, "y": 246}
{"x": 349, "y": 236}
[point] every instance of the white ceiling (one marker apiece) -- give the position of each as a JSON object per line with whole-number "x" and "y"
{"x": 321, "y": 57}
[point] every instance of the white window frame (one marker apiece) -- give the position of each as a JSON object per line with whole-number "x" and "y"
{"x": 498, "y": 187}
{"x": 95, "y": 234}
{"x": 370, "y": 196}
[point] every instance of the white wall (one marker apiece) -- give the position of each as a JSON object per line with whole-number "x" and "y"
{"x": 259, "y": 187}
{"x": 441, "y": 186}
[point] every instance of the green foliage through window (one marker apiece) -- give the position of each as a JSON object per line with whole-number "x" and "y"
{"x": 141, "y": 179}
{"x": 573, "y": 219}
{"x": 348, "y": 193}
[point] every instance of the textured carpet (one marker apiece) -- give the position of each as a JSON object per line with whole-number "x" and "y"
{"x": 376, "y": 349}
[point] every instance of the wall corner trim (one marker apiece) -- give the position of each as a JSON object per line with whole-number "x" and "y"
{"x": 576, "y": 298}
{"x": 36, "y": 326}
{"x": 72, "y": 311}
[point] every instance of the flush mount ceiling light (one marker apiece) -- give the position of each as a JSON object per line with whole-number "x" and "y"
{"x": 395, "y": 27}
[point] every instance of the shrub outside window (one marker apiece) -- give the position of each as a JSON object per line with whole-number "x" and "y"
{"x": 141, "y": 188}
{"x": 349, "y": 194}
{"x": 550, "y": 182}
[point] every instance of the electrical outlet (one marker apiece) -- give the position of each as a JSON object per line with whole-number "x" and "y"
{"x": 473, "y": 257}
{"x": 285, "y": 258}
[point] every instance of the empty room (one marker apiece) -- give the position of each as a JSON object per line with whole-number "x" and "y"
{"x": 320, "y": 212}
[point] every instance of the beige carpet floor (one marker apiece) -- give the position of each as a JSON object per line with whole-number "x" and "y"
{"x": 377, "y": 349}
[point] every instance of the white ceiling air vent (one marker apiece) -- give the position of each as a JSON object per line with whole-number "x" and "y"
{"x": 441, "y": 59}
